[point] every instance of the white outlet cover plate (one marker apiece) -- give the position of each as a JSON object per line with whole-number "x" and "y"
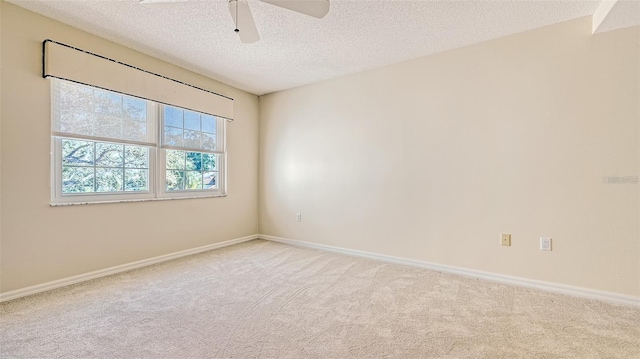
{"x": 545, "y": 243}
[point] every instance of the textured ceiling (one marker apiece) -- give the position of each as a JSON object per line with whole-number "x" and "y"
{"x": 295, "y": 49}
{"x": 625, "y": 13}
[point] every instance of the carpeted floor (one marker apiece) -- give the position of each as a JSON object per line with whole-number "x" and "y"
{"x": 267, "y": 300}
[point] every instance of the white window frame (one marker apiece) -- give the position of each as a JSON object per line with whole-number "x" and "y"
{"x": 188, "y": 193}
{"x": 76, "y": 198}
{"x": 220, "y": 162}
{"x": 157, "y": 164}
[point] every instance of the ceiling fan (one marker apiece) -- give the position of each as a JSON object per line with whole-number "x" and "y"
{"x": 243, "y": 20}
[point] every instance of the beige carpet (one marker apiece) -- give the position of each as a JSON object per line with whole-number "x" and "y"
{"x": 267, "y": 300}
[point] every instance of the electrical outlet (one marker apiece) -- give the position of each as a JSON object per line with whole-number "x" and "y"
{"x": 298, "y": 217}
{"x": 545, "y": 243}
{"x": 505, "y": 239}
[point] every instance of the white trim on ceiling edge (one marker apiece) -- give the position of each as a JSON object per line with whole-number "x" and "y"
{"x": 580, "y": 292}
{"x": 38, "y": 288}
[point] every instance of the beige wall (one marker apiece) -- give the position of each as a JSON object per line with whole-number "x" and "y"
{"x": 428, "y": 159}
{"x": 431, "y": 159}
{"x": 41, "y": 243}
{"x": 0, "y": 142}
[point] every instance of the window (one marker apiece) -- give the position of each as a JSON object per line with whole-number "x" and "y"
{"x": 191, "y": 143}
{"x": 190, "y": 170}
{"x": 103, "y": 167}
{"x": 113, "y": 147}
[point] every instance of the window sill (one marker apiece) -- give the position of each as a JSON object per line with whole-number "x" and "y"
{"x": 64, "y": 204}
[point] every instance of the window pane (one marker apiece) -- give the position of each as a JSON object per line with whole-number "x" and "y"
{"x": 77, "y": 179}
{"x": 192, "y": 120}
{"x": 133, "y": 130}
{"x": 109, "y": 179}
{"x": 208, "y": 123}
{"x": 134, "y": 108}
{"x": 208, "y": 162}
{"x": 78, "y": 123}
{"x": 175, "y": 180}
{"x": 198, "y": 130}
{"x": 175, "y": 159}
{"x": 173, "y": 116}
{"x": 173, "y": 136}
{"x": 136, "y": 180}
{"x": 107, "y": 126}
{"x": 194, "y": 180}
{"x": 210, "y": 180}
{"x": 83, "y": 110}
{"x": 70, "y": 95}
{"x": 77, "y": 153}
{"x": 136, "y": 157}
{"x": 190, "y": 170}
{"x": 191, "y": 139}
{"x": 108, "y": 103}
{"x": 79, "y": 167}
{"x": 194, "y": 161}
{"x": 208, "y": 141}
{"x": 109, "y": 155}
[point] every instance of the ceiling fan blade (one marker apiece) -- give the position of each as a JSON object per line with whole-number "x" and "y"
{"x": 243, "y": 21}
{"x": 151, "y": 2}
{"x": 315, "y": 8}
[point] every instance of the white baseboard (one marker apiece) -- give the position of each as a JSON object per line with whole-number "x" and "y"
{"x": 609, "y": 297}
{"x": 23, "y": 292}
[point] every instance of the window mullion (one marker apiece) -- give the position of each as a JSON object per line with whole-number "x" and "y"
{"x": 124, "y": 155}
{"x": 189, "y": 149}
{"x": 160, "y": 161}
{"x": 100, "y": 139}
